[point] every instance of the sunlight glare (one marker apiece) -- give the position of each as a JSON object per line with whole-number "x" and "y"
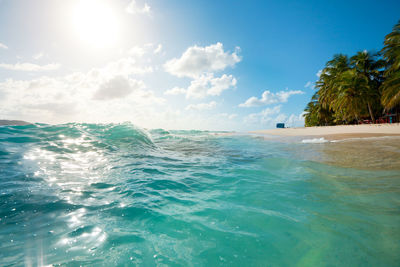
{"x": 95, "y": 23}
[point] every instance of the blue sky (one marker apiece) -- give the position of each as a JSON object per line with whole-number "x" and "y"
{"x": 219, "y": 65}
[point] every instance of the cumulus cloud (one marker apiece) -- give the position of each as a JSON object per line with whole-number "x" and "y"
{"x": 295, "y": 120}
{"x": 38, "y": 56}
{"x": 175, "y": 91}
{"x": 38, "y": 99}
{"x": 264, "y": 116}
{"x": 268, "y": 98}
{"x": 218, "y": 85}
{"x": 269, "y": 111}
{"x": 149, "y": 49}
{"x": 205, "y": 85}
{"x": 117, "y": 87}
{"x": 202, "y": 106}
{"x": 227, "y": 116}
{"x": 197, "y": 60}
{"x": 76, "y": 96}
{"x": 208, "y": 85}
{"x": 158, "y": 49}
{"x": 68, "y": 108}
{"x": 126, "y": 66}
{"x": 137, "y": 51}
{"x": 270, "y": 116}
{"x": 134, "y": 8}
{"x": 30, "y": 67}
{"x": 3, "y": 46}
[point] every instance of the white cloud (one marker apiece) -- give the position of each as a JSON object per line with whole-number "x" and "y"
{"x": 74, "y": 97}
{"x": 69, "y": 108}
{"x": 281, "y": 118}
{"x": 134, "y": 8}
{"x": 228, "y": 116}
{"x": 158, "y": 49}
{"x": 269, "y": 111}
{"x": 146, "y": 49}
{"x": 218, "y": 85}
{"x": 175, "y": 91}
{"x": 268, "y": 98}
{"x": 207, "y": 85}
{"x": 232, "y": 116}
{"x": 117, "y": 87}
{"x": 126, "y": 66}
{"x": 268, "y": 118}
{"x": 200, "y": 63}
{"x": 310, "y": 85}
{"x": 39, "y": 99}
{"x": 295, "y": 120}
{"x": 137, "y": 51}
{"x": 148, "y": 97}
{"x": 3, "y": 46}
{"x": 319, "y": 73}
{"x": 202, "y": 106}
{"x": 30, "y": 67}
{"x": 38, "y": 56}
{"x": 265, "y": 116}
{"x": 197, "y": 60}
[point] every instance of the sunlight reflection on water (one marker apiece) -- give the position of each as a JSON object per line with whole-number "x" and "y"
{"x": 116, "y": 195}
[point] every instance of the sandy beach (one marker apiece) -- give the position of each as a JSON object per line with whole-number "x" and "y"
{"x": 338, "y": 131}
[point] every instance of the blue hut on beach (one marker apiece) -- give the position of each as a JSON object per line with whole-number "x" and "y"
{"x": 280, "y": 125}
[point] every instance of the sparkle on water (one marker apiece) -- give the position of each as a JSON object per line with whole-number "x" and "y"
{"x": 87, "y": 194}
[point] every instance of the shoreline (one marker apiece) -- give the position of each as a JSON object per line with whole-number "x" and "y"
{"x": 337, "y": 132}
{"x": 14, "y": 123}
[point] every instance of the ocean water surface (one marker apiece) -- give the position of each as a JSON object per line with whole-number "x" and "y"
{"x": 118, "y": 195}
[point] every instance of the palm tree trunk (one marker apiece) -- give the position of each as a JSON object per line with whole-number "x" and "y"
{"x": 370, "y": 113}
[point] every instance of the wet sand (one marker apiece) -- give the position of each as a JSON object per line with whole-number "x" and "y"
{"x": 372, "y": 147}
{"x": 372, "y": 153}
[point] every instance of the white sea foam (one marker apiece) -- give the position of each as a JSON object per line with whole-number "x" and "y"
{"x": 365, "y": 138}
{"x": 314, "y": 141}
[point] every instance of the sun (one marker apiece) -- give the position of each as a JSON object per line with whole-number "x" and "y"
{"x": 95, "y": 23}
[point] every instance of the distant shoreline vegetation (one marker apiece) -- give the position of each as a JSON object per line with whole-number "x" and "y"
{"x": 364, "y": 87}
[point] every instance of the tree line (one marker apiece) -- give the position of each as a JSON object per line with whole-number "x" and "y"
{"x": 364, "y": 86}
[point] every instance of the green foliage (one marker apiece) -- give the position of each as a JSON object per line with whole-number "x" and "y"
{"x": 359, "y": 87}
{"x": 391, "y": 53}
{"x": 316, "y": 114}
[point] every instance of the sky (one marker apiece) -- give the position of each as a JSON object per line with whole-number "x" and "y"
{"x": 208, "y": 65}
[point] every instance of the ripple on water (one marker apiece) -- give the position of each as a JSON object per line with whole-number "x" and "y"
{"x": 115, "y": 194}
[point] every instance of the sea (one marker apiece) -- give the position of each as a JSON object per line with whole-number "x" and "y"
{"x": 119, "y": 195}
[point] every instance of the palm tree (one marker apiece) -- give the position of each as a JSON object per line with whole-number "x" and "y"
{"x": 327, "y": 84}
{"x": 391, "y": 53}
{"x": 311, "y": 114}
{"x": 315, "y": 114}
{"x": 351, "y": 98}
{"x": 349, "y": 89}
{"x": 368, "y": 78}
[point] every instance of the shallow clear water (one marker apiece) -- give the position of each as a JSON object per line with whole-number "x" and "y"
{"x": 108, "y": 195}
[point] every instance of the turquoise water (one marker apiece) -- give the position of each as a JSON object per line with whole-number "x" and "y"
{"x": 117, "y": 195}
